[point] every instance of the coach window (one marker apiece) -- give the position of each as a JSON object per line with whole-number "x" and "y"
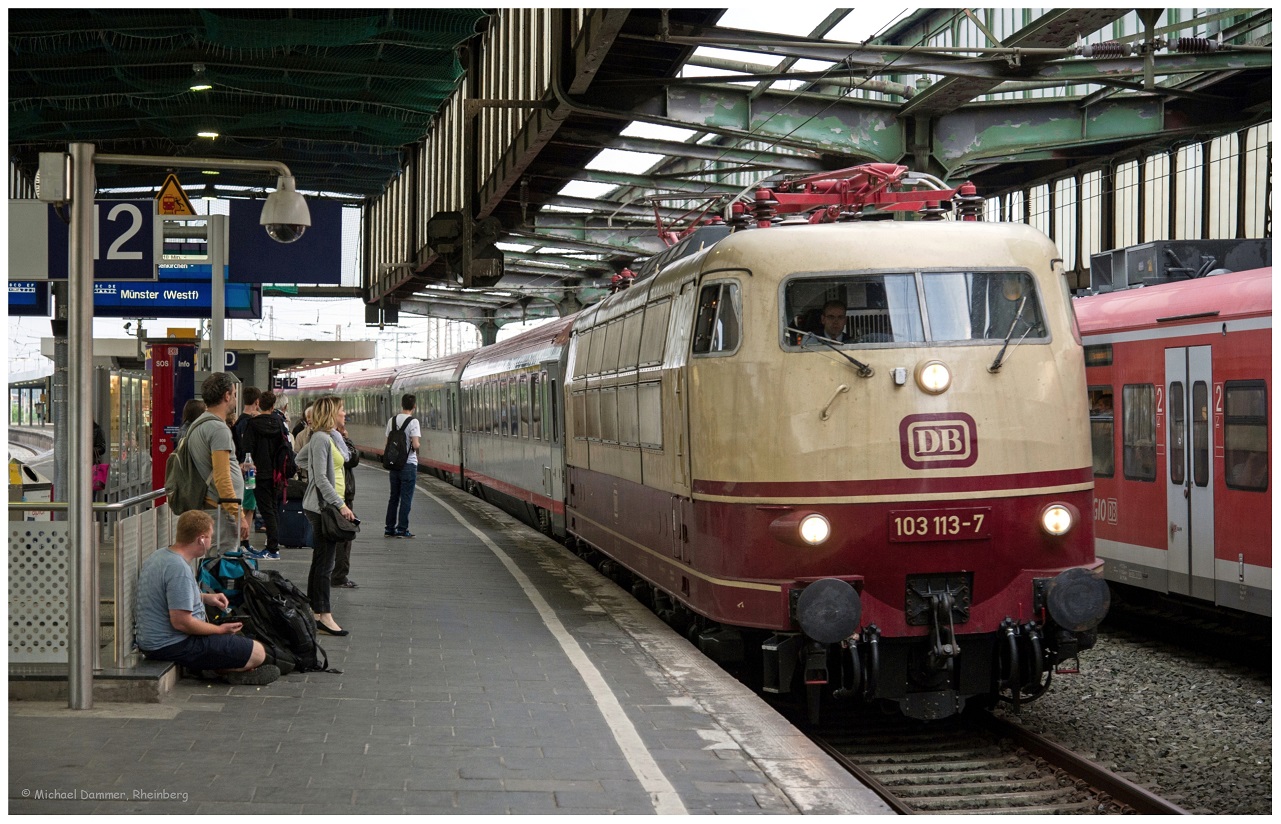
{"x": 1138, "y": 432}
{"x": 1178, "y": 434}
{"x": 536, "y": 406}
{"x": 878, "y": 309}
{"x": 1245, "y": 436}
{"x": 1102, "y": 431}
{"x": 1200, "y": 433}
{"x": 717, "y": 328}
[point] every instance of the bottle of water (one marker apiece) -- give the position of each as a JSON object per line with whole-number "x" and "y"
{"x": 251, "y": 473}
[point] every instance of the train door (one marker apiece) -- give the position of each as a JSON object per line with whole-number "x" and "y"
{"x": 1189, "y": 481}
{"x": 545, "y": 396}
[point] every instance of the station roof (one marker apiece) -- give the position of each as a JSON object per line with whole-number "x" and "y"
{"x": 341, "y": 96}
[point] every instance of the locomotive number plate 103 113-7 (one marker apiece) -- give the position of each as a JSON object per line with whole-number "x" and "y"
{"x": 940, "y": 524}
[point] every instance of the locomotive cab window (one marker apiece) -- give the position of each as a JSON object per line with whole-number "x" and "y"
{"x": 718, "y": 326}
{"x": 916, "y": 307}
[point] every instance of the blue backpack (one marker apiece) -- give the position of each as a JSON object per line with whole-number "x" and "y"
{"x": 226, "y": 574}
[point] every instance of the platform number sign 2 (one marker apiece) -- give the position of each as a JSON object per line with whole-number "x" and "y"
{"x": 123, "y": 241}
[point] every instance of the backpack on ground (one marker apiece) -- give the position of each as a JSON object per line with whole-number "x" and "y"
{"x": 396, "y": 450}
{"x": 185, "y": 489}
{"x": 225, "y": 573}
{"x": 277, "y": 614}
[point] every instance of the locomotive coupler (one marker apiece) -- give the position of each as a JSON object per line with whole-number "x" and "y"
{"x": 815, "y": 663}
{"x": 943, "y": 647}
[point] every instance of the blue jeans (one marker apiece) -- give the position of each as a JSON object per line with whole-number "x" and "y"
{"x": 402, "y": 496}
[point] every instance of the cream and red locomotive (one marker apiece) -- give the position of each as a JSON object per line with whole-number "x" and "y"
{"x": 894, "y": 506}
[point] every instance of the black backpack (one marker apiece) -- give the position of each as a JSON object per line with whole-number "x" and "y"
{"x": 277, "y": 614}
{"x": 396, "y": 450}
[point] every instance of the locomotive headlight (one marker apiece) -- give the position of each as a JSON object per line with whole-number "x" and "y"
{"x": 803, "y": 529}
{"x": 934, "y": 377}
{"x": 815, "y": 529}
{"x": 1058, "y": 519}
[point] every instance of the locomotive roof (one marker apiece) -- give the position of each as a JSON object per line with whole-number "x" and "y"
{"x": 1232, "y": 295}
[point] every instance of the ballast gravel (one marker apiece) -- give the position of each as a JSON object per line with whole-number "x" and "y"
{"x": 1187, "y": 727}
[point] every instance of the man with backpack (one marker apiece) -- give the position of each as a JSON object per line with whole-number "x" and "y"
{"x": 213, "y": 457}
{"x": 170, "y": 616}
{"x": 267, "y": 439}
{"x": 400, "y": 457}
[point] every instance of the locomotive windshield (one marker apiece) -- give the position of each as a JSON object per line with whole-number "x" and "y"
{"x": 938, "y": 307}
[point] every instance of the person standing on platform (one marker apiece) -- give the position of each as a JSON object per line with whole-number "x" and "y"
{"x": 248, "y": 470}
{"x": 266, "y": 440}
{"x": 193, "y": 409}
{"x": 351, "y": 457}
{"x": 402, "y": 480}
{"x": 322, "y": 460}
{"x": 213, "y": 452}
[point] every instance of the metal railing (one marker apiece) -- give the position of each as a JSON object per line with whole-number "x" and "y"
{"x": 40, "y": 625}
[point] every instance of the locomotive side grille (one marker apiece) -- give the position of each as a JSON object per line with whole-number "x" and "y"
{"x": 924, "y": 591}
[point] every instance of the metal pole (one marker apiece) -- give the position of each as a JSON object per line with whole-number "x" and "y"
{"x": 218, "y": 311}
{"x": 83, "y": 578}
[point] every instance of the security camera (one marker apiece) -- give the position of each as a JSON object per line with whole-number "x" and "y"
{"x": 284, "y": 232}
{"x": 285, "y": 215}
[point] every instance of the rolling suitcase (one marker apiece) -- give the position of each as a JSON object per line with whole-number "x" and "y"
{"x": 292, "y": 526}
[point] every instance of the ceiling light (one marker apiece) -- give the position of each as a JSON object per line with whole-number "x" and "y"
{"x": 210, "y": 172}
{"x": 199, "y": 83}
{"x": 208, "y": 135}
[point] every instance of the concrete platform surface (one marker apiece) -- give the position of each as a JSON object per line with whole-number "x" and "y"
{"x": 488, "y": 670}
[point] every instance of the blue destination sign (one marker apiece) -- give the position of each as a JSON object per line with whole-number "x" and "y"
{"x": 28, "y": 298}
{"x": 124, "y": 241}
{"x": 173, "y": 299}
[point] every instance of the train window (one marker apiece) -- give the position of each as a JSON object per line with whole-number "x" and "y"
{"x": 536, "y": 407}
{"x": 630, "y": 352}
{"x": 1098, "y": 355}
{"x": 522, "y": 390}
{"x": 1138, "y": 432}
{"x": 717, "y": 326}
{"x": 628, "y": 422}
{"x": 582, "y": 344}
{"x": 1102, "y": 431}
{"x": 649, "y": 400}
{"x": 1200, "y": 434}
{"x": 1245, "y": 435}
{"x": 982, "y": 306}
{"x": 613, "y": 344}
{"x": 1178, "y": 434}
{"x": 654, "y": 332}
{"x": 878, "y": 309}
{"x": 609, "y": 415}
{"x": 578, "y": 409}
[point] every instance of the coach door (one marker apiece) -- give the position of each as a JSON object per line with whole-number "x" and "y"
{"x": 1189, "y": 481}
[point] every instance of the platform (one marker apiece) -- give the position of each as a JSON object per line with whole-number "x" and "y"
{"x": 488, "y": 670}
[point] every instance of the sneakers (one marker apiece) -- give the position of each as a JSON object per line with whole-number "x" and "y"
{"x": 389, "y": 535}
{"x": 255, "y": 677}
{"x": 405, "y": 534}
{"x": 347, "y": 584}
{"x": 262, "y": 554}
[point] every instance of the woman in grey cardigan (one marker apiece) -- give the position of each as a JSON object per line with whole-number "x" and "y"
{"x": 323, "y": 462}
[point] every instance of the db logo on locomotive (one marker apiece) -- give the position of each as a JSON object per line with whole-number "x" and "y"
{"x": 940, "y": 440}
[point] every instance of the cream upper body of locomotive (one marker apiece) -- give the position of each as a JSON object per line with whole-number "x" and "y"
{"x": 786, "y": 419}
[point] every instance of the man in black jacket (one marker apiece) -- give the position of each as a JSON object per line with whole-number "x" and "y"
{"x": 267, "y": 439}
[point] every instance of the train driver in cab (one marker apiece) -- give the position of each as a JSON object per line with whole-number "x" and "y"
{"x": 832, "y": 320}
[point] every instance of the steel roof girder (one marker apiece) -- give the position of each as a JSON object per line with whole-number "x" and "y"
{"x": 848, "y": 127}
{"x": 1013, "y": 132}
{"x": 590, "y": 235}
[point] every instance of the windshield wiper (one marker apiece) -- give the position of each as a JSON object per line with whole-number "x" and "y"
{"x": 864, "y": 371}
{"x": 1018, "y": 316}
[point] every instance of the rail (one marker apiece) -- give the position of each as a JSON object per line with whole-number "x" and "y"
{"x": 40, "y": 555}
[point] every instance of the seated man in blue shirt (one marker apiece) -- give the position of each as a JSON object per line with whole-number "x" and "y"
{"x": 170, "y": 612}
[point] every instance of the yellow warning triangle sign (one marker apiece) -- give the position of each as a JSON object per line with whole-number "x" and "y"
{"x": 172, "y": 200}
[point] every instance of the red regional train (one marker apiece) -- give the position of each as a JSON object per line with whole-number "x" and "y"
{"x": 1180, "y": 384}
{"x": 892, "y": 503}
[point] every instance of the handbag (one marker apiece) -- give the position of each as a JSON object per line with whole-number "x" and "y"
{"x": 100, "y": 476}
{"x": 334, "y": 527}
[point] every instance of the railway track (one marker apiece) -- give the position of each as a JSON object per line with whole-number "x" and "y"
{"x": 979, "y": 765}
